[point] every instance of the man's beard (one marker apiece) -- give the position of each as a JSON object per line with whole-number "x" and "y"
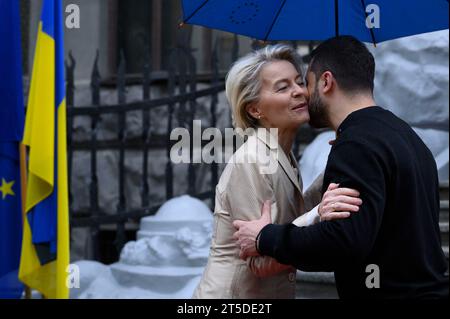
{"x": 318, "y": 111}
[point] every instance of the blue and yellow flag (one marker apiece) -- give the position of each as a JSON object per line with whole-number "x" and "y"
{"x": 45, "y": 248}
{"x": 11, "y": 128}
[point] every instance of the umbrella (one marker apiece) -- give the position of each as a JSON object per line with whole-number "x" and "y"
{"x": 368, "y": 20}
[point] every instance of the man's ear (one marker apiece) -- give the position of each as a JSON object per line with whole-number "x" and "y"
{"x": 327, "y": 80}
{"x": 253, "y": 110}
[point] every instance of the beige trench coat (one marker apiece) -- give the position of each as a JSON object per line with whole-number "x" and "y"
{"x": 246, "y": 182}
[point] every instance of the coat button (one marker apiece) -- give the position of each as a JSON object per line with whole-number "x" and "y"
{"x": 291, "y": 276}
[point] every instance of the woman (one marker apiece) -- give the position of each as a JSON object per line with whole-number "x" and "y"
{"x": 266, "y": 91}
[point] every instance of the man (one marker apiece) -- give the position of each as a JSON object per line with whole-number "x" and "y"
{"x": 392, "y": 247}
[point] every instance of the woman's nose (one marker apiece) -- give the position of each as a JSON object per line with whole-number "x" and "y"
{"x": 300, "y": 90}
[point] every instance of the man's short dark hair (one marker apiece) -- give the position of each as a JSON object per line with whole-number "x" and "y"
{"x": 351, "y": 63}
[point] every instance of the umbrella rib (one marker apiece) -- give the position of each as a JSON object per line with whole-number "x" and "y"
{"x": 195, "y": 11}
{"x": 274, "y": 20}
{"x": 370, "y": 29}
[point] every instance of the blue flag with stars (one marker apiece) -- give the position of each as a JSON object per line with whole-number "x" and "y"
{"x": 11, "y": 130}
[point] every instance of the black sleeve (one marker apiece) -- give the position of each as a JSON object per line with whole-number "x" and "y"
{"x": 330, "y": 245}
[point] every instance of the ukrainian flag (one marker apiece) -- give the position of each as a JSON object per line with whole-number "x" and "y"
{"x": 45, "y": 245}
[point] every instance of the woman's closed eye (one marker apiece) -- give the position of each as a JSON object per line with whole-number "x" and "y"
{"x": 285, "y": 85}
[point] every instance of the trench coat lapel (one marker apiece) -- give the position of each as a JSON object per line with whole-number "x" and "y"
{"x": 272, "y": 143}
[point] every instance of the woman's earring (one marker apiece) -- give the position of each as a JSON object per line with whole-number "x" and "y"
{"x": 259, "y": 116}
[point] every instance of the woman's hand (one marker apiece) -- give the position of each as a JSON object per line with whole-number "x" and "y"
{"x": 338, "y": 203}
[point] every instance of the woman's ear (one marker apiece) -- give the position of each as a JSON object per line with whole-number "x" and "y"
{"x": 253, "y": 110}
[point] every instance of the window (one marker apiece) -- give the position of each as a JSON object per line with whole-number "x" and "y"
{"x": 142, "y": 26}
{"x": 147, "y": 25}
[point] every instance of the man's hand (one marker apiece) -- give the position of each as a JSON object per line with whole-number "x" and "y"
{"x": 248, "y": 230}
{"x": 338, "y": 203}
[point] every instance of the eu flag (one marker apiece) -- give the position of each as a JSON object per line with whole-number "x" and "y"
{"x": 11, "y": 128}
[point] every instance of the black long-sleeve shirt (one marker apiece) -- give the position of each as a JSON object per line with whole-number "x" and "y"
{"x": 397, "y": 226}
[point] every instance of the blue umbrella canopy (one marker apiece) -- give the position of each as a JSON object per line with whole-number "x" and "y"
{"x": 368, "y": 20}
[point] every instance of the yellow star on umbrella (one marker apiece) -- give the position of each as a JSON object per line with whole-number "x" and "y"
{"x": 6, "y": 188}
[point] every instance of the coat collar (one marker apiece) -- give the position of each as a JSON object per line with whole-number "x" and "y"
{"x": 271, "y": 141}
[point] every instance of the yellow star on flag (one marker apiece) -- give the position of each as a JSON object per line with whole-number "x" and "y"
{"x": 6, "y": 188}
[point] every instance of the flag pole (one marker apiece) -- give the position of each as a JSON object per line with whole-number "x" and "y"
{"x": 23, "y": 182}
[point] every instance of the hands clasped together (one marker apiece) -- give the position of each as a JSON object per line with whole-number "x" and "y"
{"x": 337, "y": 203}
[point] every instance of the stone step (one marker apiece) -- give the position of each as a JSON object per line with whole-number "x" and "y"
{"x": 444, "y": 190}
{"x": 444, "y": 233}
{"x": 315, "y": 285}
{"x": 306, "y": 290}
{"x": 317, "y": 277}
{"x": 443, "y": 215}
{"x": 445, "y": 249}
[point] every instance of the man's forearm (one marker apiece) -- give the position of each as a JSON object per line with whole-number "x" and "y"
{"x": 313, "y": 248}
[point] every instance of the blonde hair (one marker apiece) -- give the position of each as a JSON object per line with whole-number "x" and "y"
{"x": 243, "y": 82}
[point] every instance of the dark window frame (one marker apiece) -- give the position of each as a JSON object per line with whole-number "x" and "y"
{"x": 157, "y": 47}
